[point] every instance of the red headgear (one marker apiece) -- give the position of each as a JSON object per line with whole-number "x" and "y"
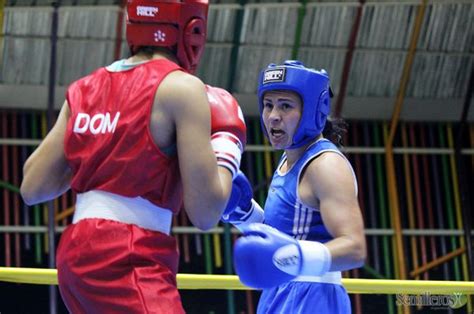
{"x": 180, "y": 25}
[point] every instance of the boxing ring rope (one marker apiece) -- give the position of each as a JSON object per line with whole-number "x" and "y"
{"x": 42, "y": 276}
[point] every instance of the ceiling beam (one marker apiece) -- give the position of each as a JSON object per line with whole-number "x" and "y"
{"x": 35, "y": 97}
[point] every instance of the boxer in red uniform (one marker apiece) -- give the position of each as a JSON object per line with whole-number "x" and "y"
{"x": 135, "y": 140}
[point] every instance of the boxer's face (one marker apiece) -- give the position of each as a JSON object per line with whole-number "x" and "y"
{"x": 281, "y": 115}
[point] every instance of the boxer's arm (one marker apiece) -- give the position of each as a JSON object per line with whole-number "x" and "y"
{"x": 332, "y": 182}
{"x": 46, "y": 174}
{"x": 206, "y": 186}
{"x": 263, "y": 250}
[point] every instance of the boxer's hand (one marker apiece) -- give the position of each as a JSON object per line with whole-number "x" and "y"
{"x": 265, "y": 257}
{"x": 228, "y": 130}
{"x": 241, "y": 209}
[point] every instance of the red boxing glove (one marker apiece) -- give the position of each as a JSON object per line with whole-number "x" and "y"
{"x": 228, "y": 130}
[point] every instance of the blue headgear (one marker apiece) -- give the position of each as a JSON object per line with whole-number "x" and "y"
{"x": 313, "y": 88}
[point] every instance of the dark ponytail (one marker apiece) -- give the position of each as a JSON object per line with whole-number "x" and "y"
{"x": 334, "y": 130}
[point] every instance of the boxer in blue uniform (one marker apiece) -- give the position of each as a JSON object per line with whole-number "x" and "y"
{"x": 311, "y": 227}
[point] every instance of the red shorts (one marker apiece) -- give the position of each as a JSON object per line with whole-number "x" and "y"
{"x": 110, "y": 267}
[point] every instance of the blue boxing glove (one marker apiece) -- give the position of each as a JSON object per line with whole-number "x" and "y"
{"x": 265, "y": 257}
{"x": 241, "y": 209}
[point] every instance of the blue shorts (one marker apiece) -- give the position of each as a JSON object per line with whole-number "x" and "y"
{"x": 305, "y": 297}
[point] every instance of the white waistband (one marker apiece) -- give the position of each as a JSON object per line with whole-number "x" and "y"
{"x": 129, "y": 210}
{"x": 333, "y": 277}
